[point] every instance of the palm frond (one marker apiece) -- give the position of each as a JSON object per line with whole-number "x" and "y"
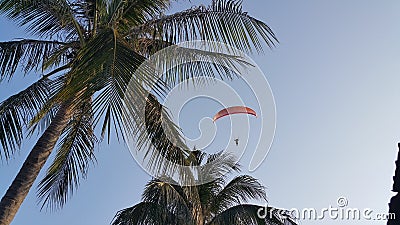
{"x": 132, "y": 13}
{"x": 105, "y": 67}
{"x": 162, "y": 140}
{"x": 218, "y": 166}
{"x": 43, "y": 17}
{"x": 182, "y": 63}
{"x": 43, "y": 117}
{"x": 28, "y": 54}
{"x": 148, "y": 46}
{"x": 15, "y": 113}
{"x": 167, "y": 194}
{"x": 41, "y": 121}
{"x": 212, "y": 175}
{"x": 73, "y": 158}
{"x": 239, "y": 190}
{"x": 223, "y": 21}
{"x": 148, "y": 213}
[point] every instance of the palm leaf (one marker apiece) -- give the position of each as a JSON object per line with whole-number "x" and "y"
{"x": 104, "y": 68}
{"x": 198, "y": 63}
{"x": 74, "y": 155}
{"x": 147, "y": 213}
{"x": 16, "y": 111}
{"x": 132, "y": 13}
{"x": 148, "y": 46}
{"x": 218, "y": 166}
{"x": 40, "y": 122}
{"x": 162, "y": 140}
{"x": 240, "y": 189}
{"x": 168, "y": 194}
{"x": 223, "y": 21}
{"x": 43, "y": 117}
{"x": 43, "y": 17}
{"x": 28, "y": 54}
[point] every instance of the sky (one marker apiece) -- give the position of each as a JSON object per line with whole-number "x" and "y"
{"x": 334, "y": 76}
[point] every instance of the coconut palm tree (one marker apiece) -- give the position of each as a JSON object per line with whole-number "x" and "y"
{"x": 165, "y": 202}
{"x": 85, "y": 55}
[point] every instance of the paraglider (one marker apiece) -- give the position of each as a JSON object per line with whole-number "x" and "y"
{"x": 236, "y": 141}
{"x": 234, "y": 110}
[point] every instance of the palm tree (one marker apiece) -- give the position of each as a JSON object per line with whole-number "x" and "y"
{"x": 85, "y": 55}
{"x": 218, "y": 202}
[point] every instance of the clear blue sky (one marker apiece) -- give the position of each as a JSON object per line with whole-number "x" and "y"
{"x": 335, "y": 78}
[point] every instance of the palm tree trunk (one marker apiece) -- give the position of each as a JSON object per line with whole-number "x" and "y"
{"x": 38, "y": 156}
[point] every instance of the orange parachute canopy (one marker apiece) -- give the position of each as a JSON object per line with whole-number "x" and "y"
{"x": 234, "y": 110}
